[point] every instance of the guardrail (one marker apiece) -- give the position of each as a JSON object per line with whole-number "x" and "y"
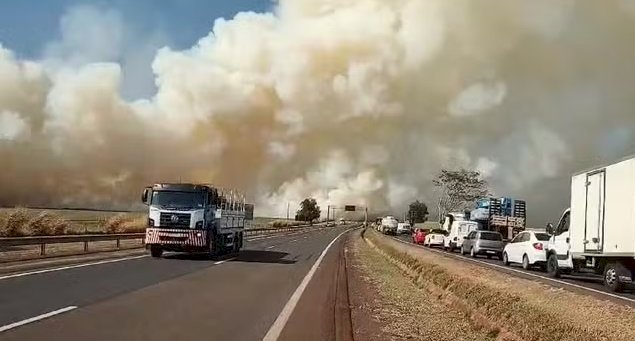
{"x": 42, "y": 241}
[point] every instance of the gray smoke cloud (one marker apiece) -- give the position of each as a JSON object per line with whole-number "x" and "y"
{"x": 349, "y": 101}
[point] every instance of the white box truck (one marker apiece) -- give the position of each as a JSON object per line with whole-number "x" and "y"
{"x": 597, "y": 232}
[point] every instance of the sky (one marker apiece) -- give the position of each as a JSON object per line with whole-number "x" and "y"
{"x": 30, "y": 27}
{"x": 346, "y": 101}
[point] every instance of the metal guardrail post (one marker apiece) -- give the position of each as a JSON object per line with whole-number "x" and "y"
{"x": 86, "y": 246}
{"x": 118, "y": 244}
{"x": 42, "y": 249}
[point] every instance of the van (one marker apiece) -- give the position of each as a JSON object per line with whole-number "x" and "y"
{"x": 458, "y": 230}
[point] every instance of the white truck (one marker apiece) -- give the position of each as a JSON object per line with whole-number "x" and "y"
{"x": 597, "y": 232}
{"x": 457, "y": 227}
{"x": 389, "y": 225}
{"x": 194, "y": 218}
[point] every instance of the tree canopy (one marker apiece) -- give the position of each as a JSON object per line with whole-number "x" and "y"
{"x": 459, "y": 189}
{"x": 309, "y": 210}
{"x": 417, "y": 212}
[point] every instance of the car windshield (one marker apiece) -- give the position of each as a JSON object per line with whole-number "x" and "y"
{"x": 543, "y": 237}
{"x": 438, "y": 231}
{"x": 491, "y": 236}
{"x": 173, "y": 199}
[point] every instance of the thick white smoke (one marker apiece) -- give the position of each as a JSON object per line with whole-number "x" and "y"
{"x": 349, "y": 101}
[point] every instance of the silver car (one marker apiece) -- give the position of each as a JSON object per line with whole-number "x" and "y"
{"x": 487, "y": 243}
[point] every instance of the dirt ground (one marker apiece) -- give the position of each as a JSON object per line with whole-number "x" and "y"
{"x": 386, "y": 305}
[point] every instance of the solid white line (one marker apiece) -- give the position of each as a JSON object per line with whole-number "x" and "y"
{"x": 223, "y": 261}
{"x": 524, "y": 273}
{"x": 22, "y": 274}
{"x": 283, "y": 318}
{"x": 36, "y": 318}
{"x": 270, "y": 247}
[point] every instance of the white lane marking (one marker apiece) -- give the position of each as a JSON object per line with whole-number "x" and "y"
{"x": 525, "y": 273}
{"x": 293, "y": 240}
{"x": 283, "y": 318}
{"x": 270, "y": 247}
{"x": 22, "y": 274}
{"x": 223, "y": 261}
{"x": 36, "y": 318}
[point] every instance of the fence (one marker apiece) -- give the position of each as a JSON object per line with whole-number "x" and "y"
{"x": 42, "y": 241}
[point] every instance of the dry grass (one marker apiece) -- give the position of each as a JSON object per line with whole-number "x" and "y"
{"x": 46, "y": 224}
{"x": 518, "y": 307}
{"x": 285, "y": 223}
{"x": 405, "y": 311}
{"x": 14, "y": 223}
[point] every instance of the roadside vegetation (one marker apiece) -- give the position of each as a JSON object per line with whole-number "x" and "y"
{"x": 507, "y": 307}
{"x": 20, "y": 222}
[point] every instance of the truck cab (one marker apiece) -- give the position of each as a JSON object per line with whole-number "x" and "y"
{"x": 194, "y": 218}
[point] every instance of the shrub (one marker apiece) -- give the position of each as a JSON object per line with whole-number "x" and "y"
{"x": 135, "y": 225}
{"x": 40, "y": 225}
{"x": 115, "y": 224}
{"x": 15, "y": 223}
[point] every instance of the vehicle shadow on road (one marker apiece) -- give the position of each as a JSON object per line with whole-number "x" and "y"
{"x": 248, "y": 256}
{"x": 261, "y": 256}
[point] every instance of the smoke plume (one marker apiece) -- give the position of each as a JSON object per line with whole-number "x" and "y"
{"x": 350, "y": 101}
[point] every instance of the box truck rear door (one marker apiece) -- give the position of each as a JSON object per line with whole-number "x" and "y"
{"x": 594, "y": 226}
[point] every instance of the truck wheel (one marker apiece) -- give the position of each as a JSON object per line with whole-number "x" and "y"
{"x": 552, "y": 266}
{"x": 156, "y": 251}
{"x": 611, "y": 277}
{"x": 526, "y": 264}
{"x": 472, "y": 253}
{"x": 462, "y": 251}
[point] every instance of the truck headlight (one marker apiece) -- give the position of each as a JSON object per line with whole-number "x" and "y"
{"x": 150, "y": 222}
{"x": 199, "y": 224}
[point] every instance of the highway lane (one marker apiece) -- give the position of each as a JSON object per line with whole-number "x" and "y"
{"x": 585, "y": 284}
{"x": 235, "y": 298}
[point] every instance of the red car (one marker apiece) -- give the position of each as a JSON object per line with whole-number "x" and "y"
{"x": 419, "y": 235}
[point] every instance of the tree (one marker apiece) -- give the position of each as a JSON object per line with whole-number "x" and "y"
{"x": 459, "y": 190}
{"x": 417, "y": 212}
{"x": 309, "y": 210}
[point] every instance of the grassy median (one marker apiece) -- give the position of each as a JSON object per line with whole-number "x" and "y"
{"x": 506, "y": 307}
{"x": 388, "y": 306}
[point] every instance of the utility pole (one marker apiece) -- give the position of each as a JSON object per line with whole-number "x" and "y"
{"x": 328, "y": 211}
{"x": 365, "y": 216}
{"x": 288, "y": 203}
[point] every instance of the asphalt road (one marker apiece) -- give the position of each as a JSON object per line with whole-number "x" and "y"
{"x": 586, "y": 284}
{"x": 183, "y": 296}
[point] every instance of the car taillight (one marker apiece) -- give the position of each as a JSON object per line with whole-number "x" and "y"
{"x": 538, "y": 246}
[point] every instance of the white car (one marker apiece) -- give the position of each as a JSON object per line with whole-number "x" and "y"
{"x": 403, "y": 228}
{"x": 528, "y": 249}
{"x": 435, "y": 238}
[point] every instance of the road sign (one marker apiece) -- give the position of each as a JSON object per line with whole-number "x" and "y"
{"x": 349, "y": 208}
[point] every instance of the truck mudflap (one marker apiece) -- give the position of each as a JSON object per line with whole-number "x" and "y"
{"x": 160, "y": 236}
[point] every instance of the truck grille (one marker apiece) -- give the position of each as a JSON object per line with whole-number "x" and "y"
{"x": 174, "y": 220}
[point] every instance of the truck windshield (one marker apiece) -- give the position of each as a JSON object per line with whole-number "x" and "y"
{"x": 491, "y": 236}
{"x": 175, "y": 199}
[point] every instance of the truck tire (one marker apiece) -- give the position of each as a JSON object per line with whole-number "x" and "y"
{"x": 472, "y": 253}
{"x": 611, "y": 277}
{"x": 156, "y": 251}
{"x": 552, "y": 266}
